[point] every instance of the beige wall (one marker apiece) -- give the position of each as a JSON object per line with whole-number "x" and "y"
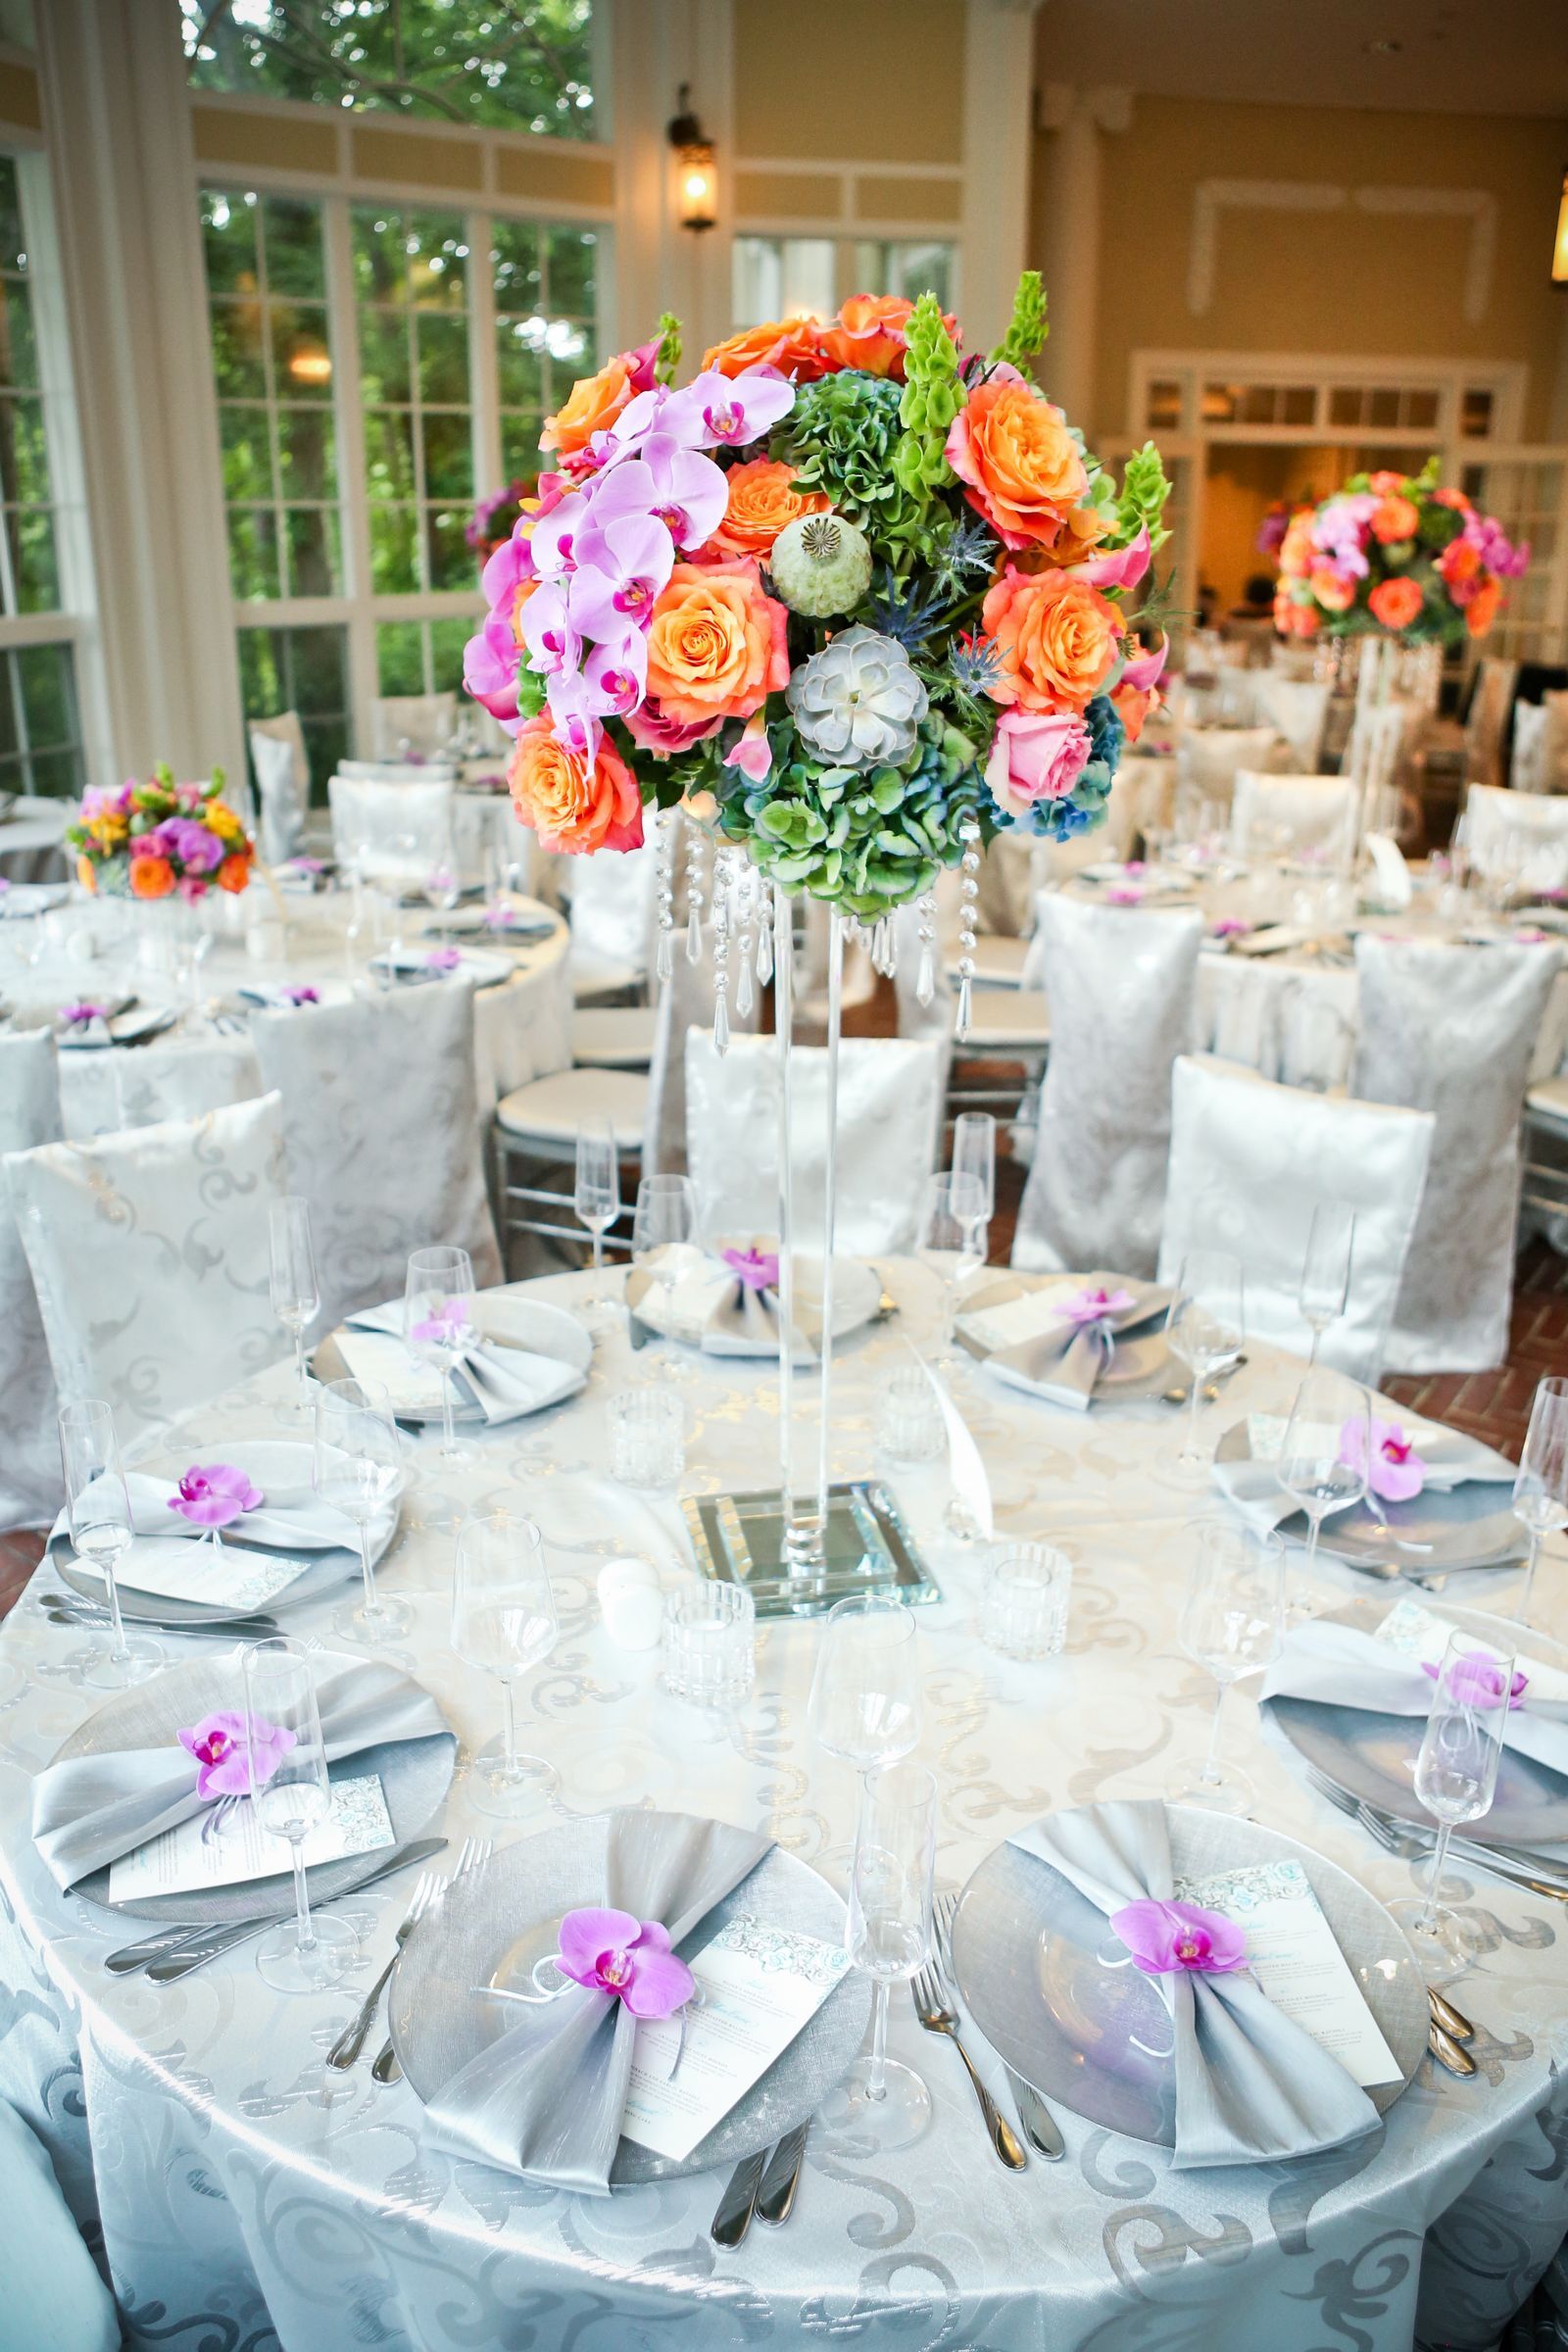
{"x": 875, "y": 81}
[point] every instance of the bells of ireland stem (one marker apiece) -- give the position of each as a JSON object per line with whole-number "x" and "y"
{"x": 858, "y": 703}
{"x": 820, "y": 564}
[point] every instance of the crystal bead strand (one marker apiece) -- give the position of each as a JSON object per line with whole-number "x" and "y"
{"x": 925, "y": 982}
{"x": 968, "y": 898}
{"x": 665, "y": 824}
{"x": 694, "y": 897}
{"x": 745, "y": 917}
{"x": 723, "y": 886}
{"x": 765, "y": 933}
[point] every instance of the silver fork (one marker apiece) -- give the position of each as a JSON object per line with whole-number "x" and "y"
{"x": 936, "y": 2012}
{"x": 1411, "y": 1844}
{"x": 1039, "y": 2123}
{"x": 476, "y": 1851}
{"x": 351, "y": 2041}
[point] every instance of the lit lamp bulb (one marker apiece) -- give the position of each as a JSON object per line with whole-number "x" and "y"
{"x": 1559, "y": 251}
{"x": 310, "y": 362}
{"x": 697, "y": 179}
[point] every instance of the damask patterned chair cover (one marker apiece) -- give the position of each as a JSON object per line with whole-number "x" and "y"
{"x": 393, "y": 833}
{"x": 422, "y": 723}
{"x": 282, "y": 784}
{"x": 1299, "y": 708}
{"x": 55, "y": 2300}
{"x": 381, "y": 1124}
{"x": 1316, "y": 812}
{"x": 612, "y": 905}
{"x": 1119, "y": 982}
{"x": 1450, "y": 1030}
{"x": 1208, "y": 758}
{"x": 1249, "y": 1161}
{"x": 1522, "y": 835}
{"x": 149, "y": 1254}
{"x": 30, "y": 1448}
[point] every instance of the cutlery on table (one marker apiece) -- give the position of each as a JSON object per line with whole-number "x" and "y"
{"x": 1374, "y": 1503}
{"x": 775, "y": 2199}
{"x": 476, "y": 1851}
{"x": 1039, "y": 2123}
{"x": 175, "y": 1950}
{"x": 1179, "y": 1396}
{"x": 1512, "y": 1864}
{"x": 86, "y": 1617}
{"x": 1446, "y": 2051}
{"x": 736, "y": 2206}
{"x": 351, "y": 2041}
{"x": 1453, "y": 2022}
{"x": 932, "y": 2006}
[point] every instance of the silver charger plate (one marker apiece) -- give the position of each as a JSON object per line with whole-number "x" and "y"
{"x": 1373, "y": 1756}
{"x": 1470, "y": 1527}
{"x": 1143, "y": 1365}
{"x": 531, "y": 920}
{"x": 1036, "y": 1965}
{"x": 502, "y": 1916}
{"x": 278, "y": 1465}
{"x": 857, "y": 1300}
{"x": 485, "y": 971}
{"x": 124, "y": 1029}
{"x": 415, "y": 1775}
{"x": 508, "y": 1316}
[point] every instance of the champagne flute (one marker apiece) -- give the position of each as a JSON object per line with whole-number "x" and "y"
{"x": 1204, "y": 1328}
{"x": 1324, "y": 1459}
{"x": 974, "y": 1152}
{"x": 1541, "y": 1489}
{"x": 952, "y": 1241}
{"x": 865, "y": 1706}
{"x": 1326, "y": 1268}
{"x": 443, "y": 886}
{"x": 662, "y": 1237}
{"x": 1232, "y": 1622}
{"x": 596, "y": 1198}
{"x": 357, "y": 1468}
{"x": 1455, "y": 1779}
{"x": 98, "y": 1505}
{"x": 887, "y": 1933}
{"x": 438, "y": 1325}
{"x": 504, "y": 1621}
{"x": 296, "y": 1293}
{"x": 291, "y": 1796}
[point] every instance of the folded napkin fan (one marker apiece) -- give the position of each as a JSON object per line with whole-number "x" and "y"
{"x": 1342, "y": 1666}
{"x": 297, "y": 1523}
{"x": 546, "y": 2099}
{"x": 1059, "y": 1342}
{"x": 89, "y": 1810}
{"x": 728, "y": 1305}
{"x": 1251, "y": 2085}
{"x": 504, "y": 1381}
{"x": 1450, "y": 1459}
{"x": 85, "y": 1021}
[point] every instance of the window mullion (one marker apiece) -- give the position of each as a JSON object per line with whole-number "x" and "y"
{"x": 354, "y": 520}
{"x": 484, "y": 373}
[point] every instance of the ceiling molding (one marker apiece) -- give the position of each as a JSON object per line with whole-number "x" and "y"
{"x": 1212, "y": 197}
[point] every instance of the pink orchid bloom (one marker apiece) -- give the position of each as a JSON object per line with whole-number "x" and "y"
{"x": 490, "y": 666}
{"x": 1093, "y": 1306}
{"x": 616, "y": 674}
{"x": 223, "y": 1744}
{"x": 751, "y": 753}
{"x": 505, "y": 572}
{"x": 631, "y": 1959}
{"x": 675, "y": 485}
{"x": 730, "y": 410}
{"x": 1230, "y": 926}
{"x": 1396, "y": 1473}
{"x": 446, "y": 1325}
{"x": 553, "y": 643}
{"x": 1125, "y": 894}
{"x": 624, "y": 561}
{"x": 302, "y": 993}
{"x": 576, "y": 724}
{"x": 77, "y": 1016}
{"x": 213, "y": 1494}
{"x": 1477, "y": 1682}
{"x": 1117, "y": 567}
{"x": 552, "y": 544}
{"x": 757, "y": 1268}
{"x": 1169, "y": 1938}
{"x": 441, "y": 960}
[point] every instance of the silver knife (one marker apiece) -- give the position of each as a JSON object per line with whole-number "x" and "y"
{"x": 734, "y": 2216}
{"x": 207, "y": 1942}
{"x": 1039, "y": 2125}
{"x": 776, "y": 2196}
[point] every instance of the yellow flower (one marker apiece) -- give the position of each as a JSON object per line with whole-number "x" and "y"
{"x": 221, "y": 820}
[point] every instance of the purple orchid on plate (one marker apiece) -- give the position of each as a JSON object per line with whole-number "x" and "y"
{"x": 223, "y": 1744}
{"x": 1092, "y": 1306}
{"x": 441, "y": 960}
{"x": 614, "y": 1953}
{"x": 77, "y": 1017}
{"x": 1396, "y": 1471}
{"x": 1476, "y": 1681}
{"x": 1228, "y": 926}
{"x": 757, "y": 1268}
{"x": 212, "y": 1494}
{"x": 445, "y": 1326}
{"x": 306, "y": 866}
{"x": 301, "y": 993}
{"x": 1127, "y": 894}
{"x": 1166, "y": 1939}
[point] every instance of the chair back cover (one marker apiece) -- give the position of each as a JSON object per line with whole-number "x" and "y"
{"x": 55, "y": 2299}
{"x": 614, "y": 901}
{"x": 381, "y": 1127}
{"x": 684, "y": 1002}
{"x": 149, "y": 1254}
{"x": 1208, "y": 758}
{"x": 1250, "y": 1160}
{"x": 283, "y": 785}
{"x": 1119, "y": 982}
{"x": 1485, "y": 728}
{"x": 1315, "y": 813}
{"x": 1540, "y": 761}
{"x": 394, "y": 834}
{"x": 1518, "y": 834}
{"x": 1297, "y": 709}
{"x": 890, "y": 1112}
{"x": 1450, "y": 1030}
{"x": 29, "y": 1446}
{"x": 421, "y": 723}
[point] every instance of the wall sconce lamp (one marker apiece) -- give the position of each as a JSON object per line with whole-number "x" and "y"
{"x": 697, "y": 170}
{"x": 1559, "y": 251}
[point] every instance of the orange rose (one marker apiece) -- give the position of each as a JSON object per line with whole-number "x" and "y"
{"x": 1019, "y": 464}
{"x": 1057, "y": 637}
{"x": 1482, "y": 611}
{"x": 1292, "y": 620}
{"x": 1458, "y": 561}
{"x": 762, "y": 499}
{"x": 869, "y": 334}
{"x": 1080, "y": 534}
{"x": 1334, "y": 591}
{"x": 792, "y": 345}
{"x": 1455, "y": 499}
{"x": 715, "y": 644}
{"x": 1388, "y": 485}
{"x": 87, "y": 874}
{"x": 235, "y": 871}
{"x": 593, "y": 403}
{"x": 151, "y": 878}
{"x": 1394, "y": 603}
{"x": 573, "y": 803}
{"x": 1394, "y": 519}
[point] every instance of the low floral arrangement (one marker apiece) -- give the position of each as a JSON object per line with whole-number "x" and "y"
{"x": 1393, "y": 554}
{"x": 160, "y": 839}
{"x": 857, "y": 600}
{"x": 489, "y": 526}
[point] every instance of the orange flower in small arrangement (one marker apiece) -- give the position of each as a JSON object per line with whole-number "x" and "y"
{"x": 1395, "y": 555}
{"x": 87, "y": 874}
{"x": 1395, "y": 602}
{"x": 151, "y": 878}
{"x": 235, "y": 872}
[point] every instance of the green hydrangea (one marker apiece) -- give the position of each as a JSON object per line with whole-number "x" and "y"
{"x": 839, "y": 438}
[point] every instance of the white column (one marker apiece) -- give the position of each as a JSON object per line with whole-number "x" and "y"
{"x": 655, "y": 46}
{"x": 998, "y": 80}
{"x": 117, "y": 117}
{"x": 1074, "y": 119}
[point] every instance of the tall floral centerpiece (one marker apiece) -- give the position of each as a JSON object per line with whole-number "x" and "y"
{"x": 161, "y": 839}
{"x": 857, "y": 603}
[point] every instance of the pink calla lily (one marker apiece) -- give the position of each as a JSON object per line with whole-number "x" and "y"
{"x": 751, "y": 751}
{"x": 1118, "y": 567}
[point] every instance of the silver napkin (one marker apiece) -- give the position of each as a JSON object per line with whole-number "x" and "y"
{"x": 304, "y": 1524}
{"x": 1344, "y": 1666}
{"x": 1451, "y": 1460}
{"x": 1067, "y": 1362}
{"x": 89, "y": 1810}
{"x": 546, "y": 2099}
{"x": 1251, "y": 2085}
{"x": 739, "y": 1322}
{"x": 505, "y": 1382}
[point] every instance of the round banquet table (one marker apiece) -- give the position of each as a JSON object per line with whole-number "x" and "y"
{"x": 86, "y": 949}
{"x": 243, "y": 2203}
{"x": 32, "y": 840}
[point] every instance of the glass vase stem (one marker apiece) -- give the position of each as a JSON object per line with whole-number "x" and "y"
{"x": 830, "y": 1171}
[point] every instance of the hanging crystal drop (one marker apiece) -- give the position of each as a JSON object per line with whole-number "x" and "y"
{"x": 723, "y": 885}
{"x": 765, "y": 935}
{"x": 926, "y": 986}
{"x": 693, "y": 898}
{"x": 965, "y": 983}
{"x": 665, "y": 832}
{"x": 968, "y": 907}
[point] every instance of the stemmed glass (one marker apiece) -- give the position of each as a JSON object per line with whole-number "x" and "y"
{"x": 662, "y": 1239}
{"x": 295, "y": 1290}
{"x": 1541, "y": 1489}
{"x": 1456, "y": 1778}
{"x": 1326, "y": 1268}
{"x": 1205, "y": 1328}
{"x": 975, "y": 1153}
{"x": 596, "y": 1198}
{"x": 443, "y": 887}
{"x": 865, "y": 1706}
{"x": 1232, "y": 1622}
{"x": 98, "y": 1504}
{"x": 1324, "y": 1460}
{"x": 358, "y": 1469}
{"x": 438, "y": 1325}
{"x": 952, "y": 1241}
{"x": 889, "y": 1935}
{"x": 504, "y": 1621}
{"x": 292, "y": 1796}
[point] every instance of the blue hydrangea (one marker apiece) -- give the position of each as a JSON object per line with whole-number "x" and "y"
{"x": 1106, "y": 734}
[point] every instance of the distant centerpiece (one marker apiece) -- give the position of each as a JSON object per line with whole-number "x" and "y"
{"x": 161, "y": 839}
{"x": 1396, "y": 557}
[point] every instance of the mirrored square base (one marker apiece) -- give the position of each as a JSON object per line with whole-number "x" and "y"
{"x": 739, "y": 1540}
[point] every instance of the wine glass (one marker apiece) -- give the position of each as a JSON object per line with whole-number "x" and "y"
{"x": 1324, "y": 1459}
{"x": 295, "y": 1290}
{"x": 291, "y": 1796}
{"x": 596, "y": 1198}
{"x": 887, "y": 1933}
{"x": 504, "y": 1621}
{"x": 1205, "y": 1328}
{"x": 1232, "y": 1622}
{"x": 357, "y": 1468}
{"x": 1455, "y": 1777}
{"x": 438, "y": 1325}
{"x": 98, "y": 1505}
{"x": 399, "y": 863}
{"x": 1326, "y": 1268}
{"x": 1541, "y": 1489}
{"x": 974, "y": 1152}
{"x": 443, "y": 886}
{"x": 662, "y": 1231}
{"x": 952, "y": 1241}
{"x": 865, "y": 1706}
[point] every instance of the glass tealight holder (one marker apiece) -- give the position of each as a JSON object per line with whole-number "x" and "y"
{"x": 710, "y": 1645}
{"x": 647, "y": 1438}
{"x": 1024, "y": 1609}
{"x": 909, "y": 1427}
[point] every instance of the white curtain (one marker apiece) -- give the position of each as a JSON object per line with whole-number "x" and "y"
{"x": 30, "y": 1448}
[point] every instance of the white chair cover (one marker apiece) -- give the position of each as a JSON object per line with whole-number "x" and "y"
{"x": 1518, "y": 834}
{"x": 400, "y": 771}
{"x": 1011, "y": 870}
{"x": 1249, "y": 1161}
{"x": 149, "y": 1254}
{"x": 1541, "y": 745}
{"x": 1316, "y": 812}
{"x": 1119, "y": 982}
{"x": 29, "y": 1446}
{"x": 395, "y": 833}
{"x": 890, "y": 1110}
{"x": 1297, "y": 709}
{"x": 422, "y": 723}
{"x": 614, "y": 901}
{"x": 684, "y": 1002}
{"x": 1487, "y": 726}
{"x": 55, "y": 2299}
{"x": 382, "y": 1126}
{"x": 282, "y": 784}
{"x": 1450, "y": 1030}
{"x": 1208, "y": 758}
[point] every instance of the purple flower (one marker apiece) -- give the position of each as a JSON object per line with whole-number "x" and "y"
{"x": 1165, "y": 1939}
{"x": 306, "y": 865}
{"x": 552, "y": 642}
{"x": 1476, "y": 1681}
{"x": 550, "y": 549}
{"x": 300, "y": 994}
{"x": 1093, "y": 1306}
{"x": 212, "y": 1494}
{"x": 198, "y": 851}
{"x": 441, "y": 960}
{"x": 623, "y": 562}
{"x": 616, "y": 675}
{"x": 614, "y": 1952}
{"x": 222, "y": 1745}
{"x": 756, "y": 1268}
{"x": 1397, "y": 1472}
{"x": 1230, "y": 926}
{"x": 77, "y": 1016}
{"x": 729, "y": 411}
{"x": 1125, "y": 894}
{"x": 445, "y": 1326}
{"x": 676, "y": 486}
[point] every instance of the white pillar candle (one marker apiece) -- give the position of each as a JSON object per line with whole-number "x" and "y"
{"x": 630, "y": 1602}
